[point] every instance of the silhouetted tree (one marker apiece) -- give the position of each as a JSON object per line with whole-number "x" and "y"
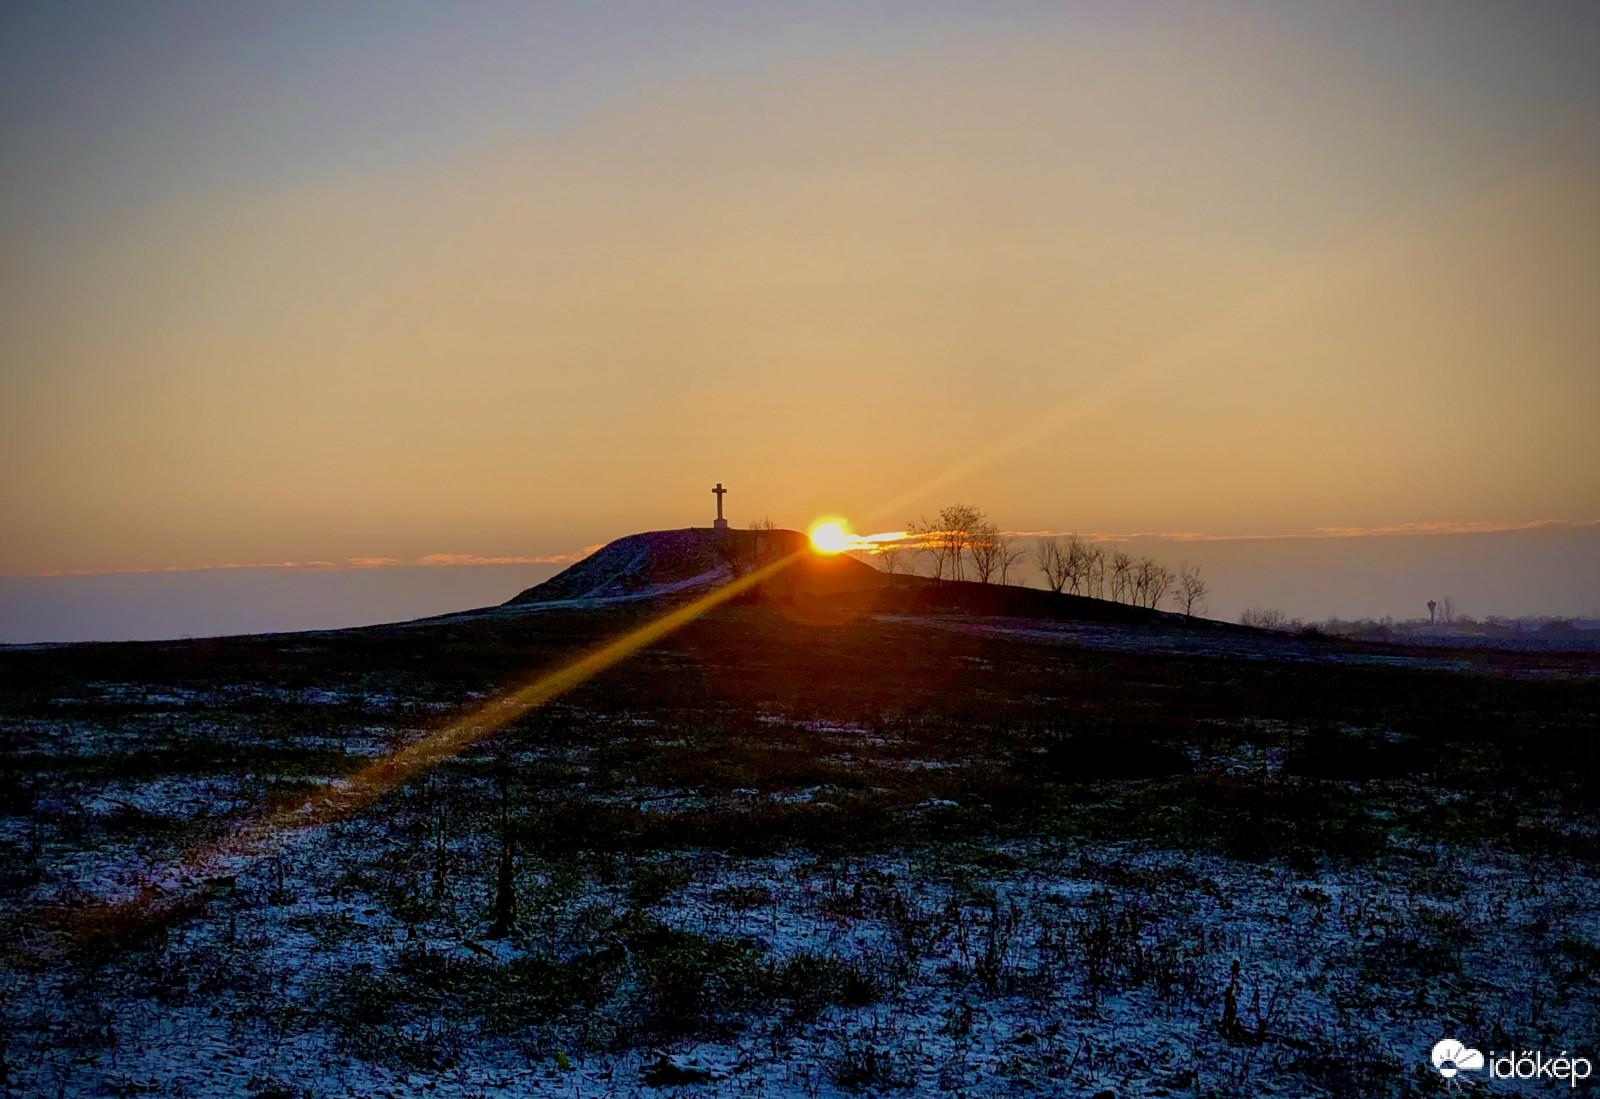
{"x": 948, "y": 541}
{"x": 1094, "y": 571}
{"x": 1121, "y": 567}
{"x": 1191, "y": 590}
{"x": 734, "y": 551}
{"x": 1268, "y": 618}
{"x": 1051, "y": 562}
{"x": 1078, "y": 561}
{"x": 1011, "y": 556}
{"x": 985, "y": 549}
{"x": 934, "y": 546}
{"x": 1149, "y": 582}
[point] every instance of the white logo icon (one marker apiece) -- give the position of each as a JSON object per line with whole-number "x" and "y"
{"x": 1450, "y": 1057}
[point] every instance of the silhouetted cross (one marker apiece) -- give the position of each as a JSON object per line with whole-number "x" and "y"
{"x": 718, "y": 492}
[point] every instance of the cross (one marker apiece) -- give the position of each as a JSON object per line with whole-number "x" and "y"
{"x": 718, "y": 493}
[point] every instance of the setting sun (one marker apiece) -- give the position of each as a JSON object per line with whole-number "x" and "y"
{"x": 830, "y": 537}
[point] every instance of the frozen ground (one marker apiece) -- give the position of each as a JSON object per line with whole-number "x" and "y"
{"x": 989, "y": 858}
{"x": 1164, "y": 640}
{"x": 350, "y": 958}
{"x": 1047, "y": 967}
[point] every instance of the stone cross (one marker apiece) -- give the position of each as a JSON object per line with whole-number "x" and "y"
{"x": 721, "y": 523}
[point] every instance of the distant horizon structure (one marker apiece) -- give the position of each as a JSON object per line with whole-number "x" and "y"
{"x": 719, "y": 492}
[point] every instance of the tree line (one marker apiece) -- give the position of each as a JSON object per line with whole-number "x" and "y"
{"x": 1081, "y": 568}
{"x": 963, "y": 544}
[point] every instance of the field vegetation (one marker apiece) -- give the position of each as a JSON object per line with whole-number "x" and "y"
{"x": 790, "y": 853}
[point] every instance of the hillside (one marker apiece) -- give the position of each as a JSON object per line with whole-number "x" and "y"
{"x": 665, "y": 562}
{"x": 670, "y": 562}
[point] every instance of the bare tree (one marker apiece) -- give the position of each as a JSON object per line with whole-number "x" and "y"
{"x": 765, "y": 544}
{"x": 1094, "y": 571}
{"x": 729, "y": 550}
{"x": 1149, "y": 582}
{"x": 930, "y": 541}
{"x": 961, "y": 522}
{"x": 1158, "y": 580}
{"x": 1121, "y": 568}
{"x": 1447, "y": 610}
{"x": 1089, "y": 569}
{"x": 736, "y": 552}
{"x": 1161, "y": 581}
{"x": 1191, "y": 590}
{"x": 947, "y": 541}
{"x": 890, "y": 556}
{"x": 985, "y": 549}
{"x": 1011, "y": 556}
{"x": 1079, "y": 562}
{"x": 744, "y": 553}
{"x": 1052, "y": 563}
{"x": 1138, "y": 577}
{"x": 1268, "y": 618}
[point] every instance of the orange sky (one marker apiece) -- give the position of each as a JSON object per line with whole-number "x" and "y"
{"x": 1243, "y": 272}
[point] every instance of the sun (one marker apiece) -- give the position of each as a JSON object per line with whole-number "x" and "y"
{"x": 830, "y": 536}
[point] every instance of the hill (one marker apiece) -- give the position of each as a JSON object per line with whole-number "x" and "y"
{"x": 667, "y": 562}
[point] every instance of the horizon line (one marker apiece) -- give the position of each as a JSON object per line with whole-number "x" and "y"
{"x": 470, "y": 560}
{"x": 1398, "y": 530}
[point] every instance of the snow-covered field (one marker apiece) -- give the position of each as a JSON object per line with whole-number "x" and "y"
{"x": 1052, "y": 966}
{"x": 1159, "y": 640}
{"x": 1286, "y": 883}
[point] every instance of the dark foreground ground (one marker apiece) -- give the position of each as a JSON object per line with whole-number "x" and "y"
{"x": 791, "y": 855}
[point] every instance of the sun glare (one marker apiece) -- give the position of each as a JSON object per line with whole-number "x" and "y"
{"x": 830, "y": 537}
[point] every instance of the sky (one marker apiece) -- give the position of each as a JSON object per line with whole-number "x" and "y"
{"x": 433, "y": 286}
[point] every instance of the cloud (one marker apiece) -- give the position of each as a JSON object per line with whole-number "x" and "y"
{"x": 876, "y": 543}
{"x": 1398, "y": 530}
{"x": 350, "y": 564}
{"x": 279, "y": 565}
{"x": 449, "y": 559}
{"x": 1455, "y": 528}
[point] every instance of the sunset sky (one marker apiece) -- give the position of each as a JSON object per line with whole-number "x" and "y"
{"x": 323, "y": 283}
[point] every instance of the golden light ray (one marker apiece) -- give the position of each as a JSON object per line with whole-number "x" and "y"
{"x": 832, "y": 534}
{"x": 877, "y": 543}
{"x": 372, "y": 781}
{"x": 361, "y": 789}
